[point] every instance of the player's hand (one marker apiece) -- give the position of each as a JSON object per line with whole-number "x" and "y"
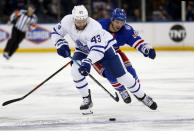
{"x": 148, "y": 51}
{"x": 64, "y": 51}
{"x": 152, "y": 53}
{"x": 85, "y": 67}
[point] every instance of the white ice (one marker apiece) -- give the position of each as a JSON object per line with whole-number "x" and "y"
{"x": 169, "y": 80}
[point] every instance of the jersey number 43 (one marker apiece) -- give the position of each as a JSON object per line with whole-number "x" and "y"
{"x": 96, "y": 39}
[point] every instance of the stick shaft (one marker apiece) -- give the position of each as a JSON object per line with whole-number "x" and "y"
{"x": 21, "y": 98}
{"x": 47, "y": 79}
{"x": 94, "y": 79}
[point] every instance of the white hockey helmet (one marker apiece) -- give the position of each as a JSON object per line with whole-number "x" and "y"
{"x": 79, "y": 12}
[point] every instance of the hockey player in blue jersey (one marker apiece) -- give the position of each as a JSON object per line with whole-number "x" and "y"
{"x": 125, "y": 34}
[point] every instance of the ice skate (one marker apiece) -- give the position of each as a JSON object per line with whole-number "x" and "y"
{"x": 125, "y": 96}
{"x": 5, "y": 54}
{"x": 148, "y": 101}
{"x": 87, "y": 102}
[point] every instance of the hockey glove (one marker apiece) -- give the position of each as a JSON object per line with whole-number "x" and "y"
{"x": 64, "y": 51}
{"x": 148, "y": 51}
{"x": 152, "y": 54}
{"x": 85, "y": 67}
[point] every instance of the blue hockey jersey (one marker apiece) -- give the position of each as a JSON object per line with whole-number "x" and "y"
{"x": 126, "y": 35}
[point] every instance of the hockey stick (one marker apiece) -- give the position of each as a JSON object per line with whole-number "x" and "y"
{"x": 21, "y": 98}
{"x": 116, "y": 98}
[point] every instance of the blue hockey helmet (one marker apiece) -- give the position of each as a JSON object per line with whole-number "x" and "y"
{"x": 119, "y": 14}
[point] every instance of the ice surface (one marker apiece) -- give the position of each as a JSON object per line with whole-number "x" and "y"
{"x": 169, "y": 79}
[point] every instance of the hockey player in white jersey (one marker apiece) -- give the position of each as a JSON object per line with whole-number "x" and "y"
{"x": 92, "y": 44}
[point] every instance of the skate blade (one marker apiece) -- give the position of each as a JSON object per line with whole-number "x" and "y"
{"x": 87, "y": 112}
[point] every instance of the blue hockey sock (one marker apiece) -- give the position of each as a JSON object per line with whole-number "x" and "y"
{"x": 114, "y": 82}
{"x": 132, "y": 71}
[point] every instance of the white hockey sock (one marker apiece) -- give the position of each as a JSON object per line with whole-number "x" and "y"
{"x": 118, "y": 86}
{"x": 84, "y": 91}
{"x": 82, "y": 86}
{"x": 79, "y": 80}
{"x": 136, "y": 90}
{"x": 134, "y": 87}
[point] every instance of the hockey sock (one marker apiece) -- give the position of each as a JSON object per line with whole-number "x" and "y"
{"x": 114, "y": 82}
{"x": 132, "y": 71}
{"x": 82, "y": 86}
{"x": 136, "y": 90}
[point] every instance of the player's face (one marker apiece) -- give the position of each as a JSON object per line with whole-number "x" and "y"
{"x": 80, "y": 24}
{"x": 117, "y": 25}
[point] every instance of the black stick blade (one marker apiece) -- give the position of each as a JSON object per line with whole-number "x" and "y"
{"x": 117, "y": 97}
{"x": 11, "y": 101}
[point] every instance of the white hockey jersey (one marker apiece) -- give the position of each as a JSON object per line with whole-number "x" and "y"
{"x": 92, "y": 41}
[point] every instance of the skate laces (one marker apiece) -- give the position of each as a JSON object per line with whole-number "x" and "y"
{"x": 124, "y": 94}
{"x": 86, "y": 101}
{"x": 147, "y": 101}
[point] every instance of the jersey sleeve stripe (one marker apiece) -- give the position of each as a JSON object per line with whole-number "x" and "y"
{"x": 60, "y": 40}
{"x": 83, "y": 51}
{"x": 87, "y": 60}
{"x": 110, "y": 42}
{"x": 137, "y": 43}
{"x": 55, "y": 32}
{"x": 102, "y": 49}
{"x": 97, "y": 51}
{"x": 58, "y": 45}
{"x": 98, "y": 46}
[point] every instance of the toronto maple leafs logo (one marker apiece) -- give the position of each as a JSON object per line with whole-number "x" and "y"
{"x": 82, "y": 47}
{"x": 81, "y": 12}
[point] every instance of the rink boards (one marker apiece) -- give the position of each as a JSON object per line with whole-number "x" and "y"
{"x": 161, "y": 35}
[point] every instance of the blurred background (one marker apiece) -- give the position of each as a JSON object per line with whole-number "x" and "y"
{"x": 51, "y": 11}
{"x": 167, "y": 25}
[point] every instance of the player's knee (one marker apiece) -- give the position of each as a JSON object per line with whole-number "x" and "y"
{"x": 127, "y": 80}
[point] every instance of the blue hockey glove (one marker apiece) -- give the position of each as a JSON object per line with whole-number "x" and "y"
{"x": 85, "y": 67}
{"x": 152, "y": 54}
{"x": 64, "y": 51}
{"x": 148, "y": 51}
